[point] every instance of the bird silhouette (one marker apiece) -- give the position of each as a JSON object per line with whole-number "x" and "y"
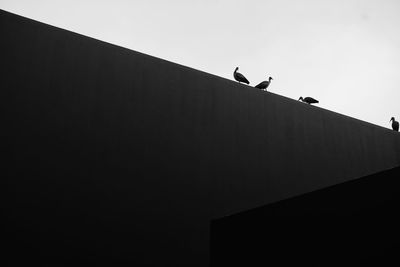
{"x": 395, "y": 124}
{"x": 264, "y": 85}
{"x": 308, "y": 100}
{"x": 239, "y": 77}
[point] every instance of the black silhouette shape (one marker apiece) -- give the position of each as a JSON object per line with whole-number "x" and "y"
{"x": 395, "y": 124}
{"x": 308, "y": 100}
{"x": 264, "y": 85}
{"x": 239, "y": 77}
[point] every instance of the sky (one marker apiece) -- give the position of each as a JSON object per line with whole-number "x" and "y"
{"x": 345, "y": 53}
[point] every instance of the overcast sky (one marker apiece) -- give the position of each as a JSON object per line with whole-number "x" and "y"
{"x": 345, "y": 53}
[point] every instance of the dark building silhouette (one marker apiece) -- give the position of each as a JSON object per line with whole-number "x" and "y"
{"x": 355, "y": 223}
{"x": 110, "y": 155}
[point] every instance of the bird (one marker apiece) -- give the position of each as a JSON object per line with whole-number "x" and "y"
{"x": 239, "y": 77}
{"x": 264, "y": 85}
{"x": 308, "y": 100}
{"x": 395, "y": 124}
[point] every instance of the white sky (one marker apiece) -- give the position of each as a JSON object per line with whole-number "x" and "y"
{"x": 345, "y": 53}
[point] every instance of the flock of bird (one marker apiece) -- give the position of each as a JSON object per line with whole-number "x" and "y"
{"x": 309, "y": 100}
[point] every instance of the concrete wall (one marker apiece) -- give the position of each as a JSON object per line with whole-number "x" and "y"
{"x": 355, "y": 223}
{"x": 113, "y": 154}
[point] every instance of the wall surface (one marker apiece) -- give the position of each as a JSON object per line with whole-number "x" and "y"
{"x": 355, "y": 223}
{"x": 113, "y": 155}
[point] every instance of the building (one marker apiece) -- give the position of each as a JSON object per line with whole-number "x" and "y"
{"x": 113, "y": 156}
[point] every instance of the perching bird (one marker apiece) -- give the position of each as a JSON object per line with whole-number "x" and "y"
{"x": 308, "y": 100}
{"x": 395, "y": 124}
{"x": 239, "y": 77}
{"x": 264, "y": 85}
